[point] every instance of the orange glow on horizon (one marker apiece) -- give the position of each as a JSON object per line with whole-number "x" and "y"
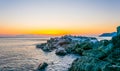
{"x": 55, "y": 32}
{"x": 75, "y": 30}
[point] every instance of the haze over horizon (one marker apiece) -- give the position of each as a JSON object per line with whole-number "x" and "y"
{"x": 59, "y": 17}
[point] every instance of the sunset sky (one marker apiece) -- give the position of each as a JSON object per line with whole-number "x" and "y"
{"x": 59, "y": 17}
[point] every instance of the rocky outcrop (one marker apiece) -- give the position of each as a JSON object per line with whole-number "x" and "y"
{"x": 114, "y": 57}
{"x": 42, "y": 66}
{"x": 69, "y": 44}
{"x": 60, "y": 51}
{"x": 96, "y": 55}
{"x": 79, "y": 48}
{"x": 86, "y": 63}
{"x": 106, "y": 57}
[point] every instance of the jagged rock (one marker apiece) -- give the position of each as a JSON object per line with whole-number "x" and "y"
{"x": 70, "y": 43}
{"x": 104, "y": 42}
{"x": 112, "y": 68}
{"x": 41, "y": 45}
{"x": 118, "y": 31}
{"x": 106, "y": 49}
{"x": 114, "y": 56}
{"x": 42, "y": 66}
{"x": 79, "y": 48}
{"x": 85, "y": 63}
{"x": 70, "y": 48}
{"x": 60, "y": 51}
{"x": 63, "y": 42}
{"x": 94, "y": 53}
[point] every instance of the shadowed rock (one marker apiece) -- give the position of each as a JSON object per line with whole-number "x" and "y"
{"x": 106, "y": 49}
{"x": 86, "y": 63}
{"x": 114, "y": 56}
{"x": 94, "y": 53}
{"x": 60, "y": 51}
{"x": 42, "y": 66}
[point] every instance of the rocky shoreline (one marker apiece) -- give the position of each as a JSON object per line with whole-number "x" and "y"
{"x": 95, "y": 55}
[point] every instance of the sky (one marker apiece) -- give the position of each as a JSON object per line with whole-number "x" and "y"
{"x": 59, "y": 17}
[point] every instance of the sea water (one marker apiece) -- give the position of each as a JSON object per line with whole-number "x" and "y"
{"x": 21, "y": 54}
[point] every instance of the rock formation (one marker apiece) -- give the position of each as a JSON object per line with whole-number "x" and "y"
{"x": 105, "y": 58}
{"x": 96, "y": 55}
{"x": 42, "y": 66}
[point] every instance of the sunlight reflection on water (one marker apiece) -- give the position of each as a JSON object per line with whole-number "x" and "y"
{"x": 20, "y": 54}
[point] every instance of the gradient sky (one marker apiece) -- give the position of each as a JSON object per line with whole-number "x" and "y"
{"x": 59, "y": 17}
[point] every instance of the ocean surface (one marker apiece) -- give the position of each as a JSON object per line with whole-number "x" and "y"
{"x": 21, "y": 54}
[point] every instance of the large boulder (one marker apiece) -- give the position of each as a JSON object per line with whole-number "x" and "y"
{"x": 118, "y": 30}
{"x": 60, "y": 51}
{"x": 85, "y": 63}
{"x": 42, "y": 66}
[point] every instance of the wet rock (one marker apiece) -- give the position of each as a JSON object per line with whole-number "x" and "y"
{"x": 42, "y": 66}
{"x": 60, "y": 51}
{"x": 85, "y": 63}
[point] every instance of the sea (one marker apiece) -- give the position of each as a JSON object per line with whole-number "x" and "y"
{"x": 21, "y": 54}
